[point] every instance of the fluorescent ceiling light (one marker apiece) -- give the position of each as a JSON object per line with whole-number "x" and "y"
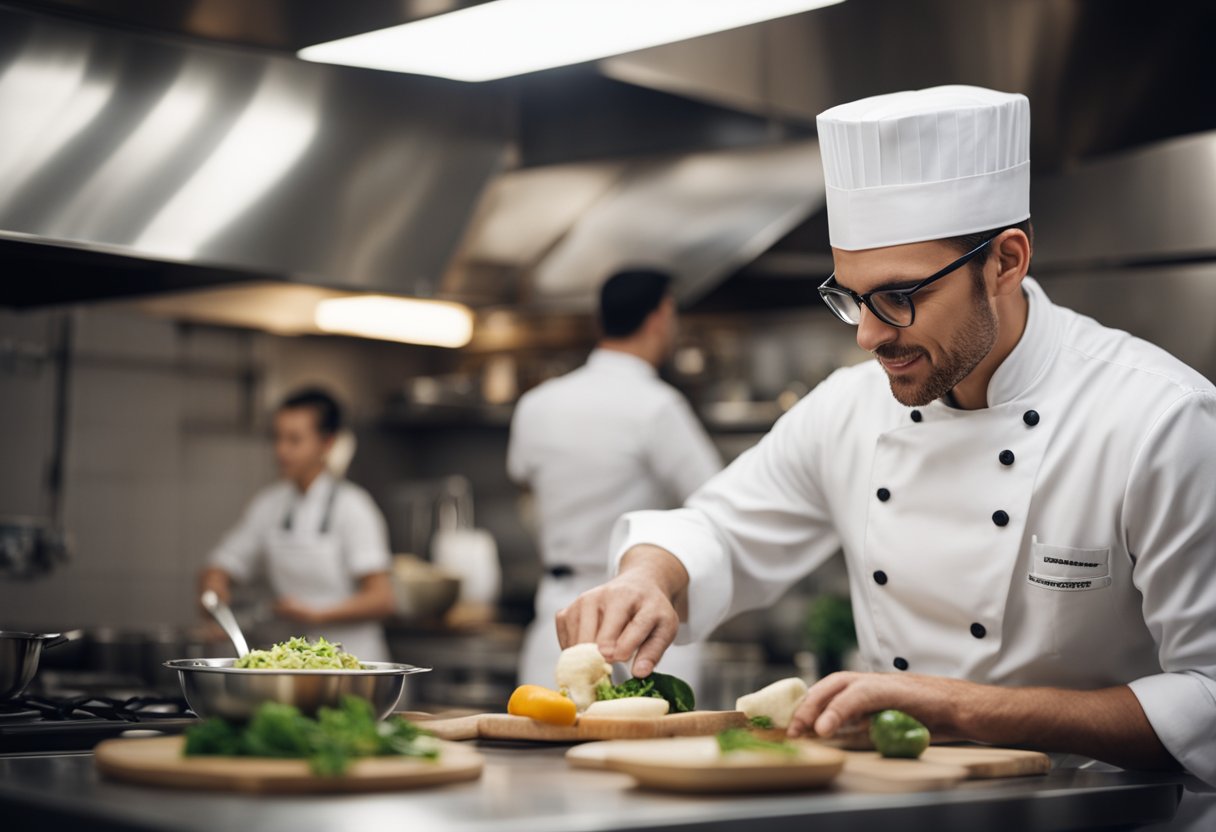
{"x": 430, "y": 322}
{"x": 510, "y": 37}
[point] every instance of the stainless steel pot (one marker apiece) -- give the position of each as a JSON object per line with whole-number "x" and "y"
{"x": 213, "y": 687}
{"x": 19, "y": 655}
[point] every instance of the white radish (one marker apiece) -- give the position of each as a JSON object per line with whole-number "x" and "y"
{"x": 778, "y": 701}
{"x": 631, "y": 707}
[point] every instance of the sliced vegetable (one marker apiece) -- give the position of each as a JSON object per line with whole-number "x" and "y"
{"x": 896, "y": 734}
{"x": 777, "y": 702}
{"x": 676, "y": 691}
{"x": 543, "y": 705}
{"x": 300, "y": 654}
{"x": 330, "y": 742}
{"x": 580, "y": 670}
{"x": 741, "y": 739}
{"x": 633, "y": 707}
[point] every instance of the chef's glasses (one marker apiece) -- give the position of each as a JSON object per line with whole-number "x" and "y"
{"x": 891, "y": 306}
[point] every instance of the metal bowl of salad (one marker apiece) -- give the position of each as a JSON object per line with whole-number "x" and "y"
{"x": 307, "y": 675}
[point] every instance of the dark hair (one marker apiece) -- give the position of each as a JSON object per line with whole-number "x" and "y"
{"x": 628, "y": 297}
{"x": 329, "y": 414}
{"x": 969, "y": 241}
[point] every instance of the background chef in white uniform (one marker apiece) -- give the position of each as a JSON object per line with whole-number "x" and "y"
{"x": 322, "y": 540}
{"x": 609, "y": 438}
{"x": 1023, "y": 497}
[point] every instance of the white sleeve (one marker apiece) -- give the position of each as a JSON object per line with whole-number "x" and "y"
{"x": 752, "y": 530}
{"x": 1170, "y": 522}
{"x": 679, "y": 451}
{"x": 518, "y": 468}
{"x": 364, "y": 534}
{"x": 238, "y": 551}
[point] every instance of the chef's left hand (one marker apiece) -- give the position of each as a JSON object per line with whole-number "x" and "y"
{"x": 845, "y": 698}
{"x": 293, "y": 610}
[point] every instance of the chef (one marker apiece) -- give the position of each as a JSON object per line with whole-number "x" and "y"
{"x": 321, "y": 539}
{"x": 609, "y": 438}
{"x": 1023, "y": 496}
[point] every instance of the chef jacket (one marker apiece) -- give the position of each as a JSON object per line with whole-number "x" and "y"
{"x": 609, "y": 438}
{"x": 315, "y": 546}
{"x": 1065, "y": 535}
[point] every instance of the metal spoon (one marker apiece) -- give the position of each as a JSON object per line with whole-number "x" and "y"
{"x": 227, "y": 621}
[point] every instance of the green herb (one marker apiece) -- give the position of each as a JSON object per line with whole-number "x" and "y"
{"x": 761, "y": 721}
{"x": 676, "y": 691}
{"x": 329, "y": 743}
{"x": 895, "y": 734}
{"x": 740, "y": 739}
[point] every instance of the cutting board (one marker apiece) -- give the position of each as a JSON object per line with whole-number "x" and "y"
{"x": 939, "y": 767}
{"x": 587, "y": 729}
{"x": 694, "y": 765}
{"x": 159, "y": 762}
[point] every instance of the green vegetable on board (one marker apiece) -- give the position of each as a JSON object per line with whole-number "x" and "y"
{"x": 329, "y": 743}
{"x": 740, "y": 739}
{"x": 300, "y": 654}
{"x": 761, "y": 722}
{"x": 895, "y": 734}
{"x": 676, "y": 691}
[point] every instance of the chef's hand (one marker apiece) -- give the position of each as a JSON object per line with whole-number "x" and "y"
{"x": 841, "y": 699}
{"x": 293, "y": 610}
{"x": 637, "y": 612}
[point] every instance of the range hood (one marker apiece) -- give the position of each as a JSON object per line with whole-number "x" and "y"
{"x": 191, "y": 164}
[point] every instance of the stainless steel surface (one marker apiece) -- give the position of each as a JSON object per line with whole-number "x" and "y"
{"x": 223, "y": 616}
{"x": 185, "y": 152}
{"x": 1102, "y": 75}
{"x": 19, "y": 655}
{"x": 557, "y": 232}
{"x": 1154, "y": 203}
{"x": 213, "y": 687}
{"x": 533, "y": 790}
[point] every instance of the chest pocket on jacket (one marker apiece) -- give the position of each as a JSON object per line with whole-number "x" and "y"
{"x": 1068, "y": 569}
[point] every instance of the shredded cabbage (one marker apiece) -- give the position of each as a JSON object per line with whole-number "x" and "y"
{"x": 300, "y": 654}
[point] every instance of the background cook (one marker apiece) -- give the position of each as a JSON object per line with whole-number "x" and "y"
{"x": 322, "y": 540}
{"x": 609, "y": 438}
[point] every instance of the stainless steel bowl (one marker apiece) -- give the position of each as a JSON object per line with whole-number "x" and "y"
{"x": 19, "y": 655}
{"x": 213, "y": 687}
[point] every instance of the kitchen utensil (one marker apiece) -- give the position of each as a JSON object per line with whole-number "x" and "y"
{"x": 587, "y": 729}
{"x": 159, "y": 762}
{"x": 213, "y": 687}
{"x": 19, "y": 655}
{"x": 696, "y": 765}
{"x": 423, "y": 592}
{"x": 227, "y": 621}
{"x": 460, "y": 549}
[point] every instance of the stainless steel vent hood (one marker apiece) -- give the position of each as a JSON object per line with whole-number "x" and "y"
{"x": 217, "y": 163}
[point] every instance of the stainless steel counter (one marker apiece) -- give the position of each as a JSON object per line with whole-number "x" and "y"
{"x": 533, "y": 790}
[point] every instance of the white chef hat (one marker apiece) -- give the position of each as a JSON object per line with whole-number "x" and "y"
{"x": 925, "y": 165}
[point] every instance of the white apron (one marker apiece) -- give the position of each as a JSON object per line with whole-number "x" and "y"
{"x": 309, "y": 567}
{"x": 540, "y": 650}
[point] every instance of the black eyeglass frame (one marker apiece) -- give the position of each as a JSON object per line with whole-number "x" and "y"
{"x": 864, "y": 300}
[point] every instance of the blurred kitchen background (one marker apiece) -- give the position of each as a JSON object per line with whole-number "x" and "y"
{"x": 179, "y": 192}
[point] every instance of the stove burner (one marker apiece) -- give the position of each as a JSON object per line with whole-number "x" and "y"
{"x": 131, "y": 709}
{"x": 40, "y": 724}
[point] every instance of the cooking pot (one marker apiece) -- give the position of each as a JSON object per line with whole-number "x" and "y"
{"x": 19, "y": 655}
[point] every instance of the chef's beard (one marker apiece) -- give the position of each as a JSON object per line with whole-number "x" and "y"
{"x": 972, "y": 342}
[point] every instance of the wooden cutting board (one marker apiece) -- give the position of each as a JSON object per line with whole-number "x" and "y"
{"x": 159, "y": 762}
{"x": 938, "y": 767}
{"x": 587, "y": 729}
{"x": 694, "y": 765}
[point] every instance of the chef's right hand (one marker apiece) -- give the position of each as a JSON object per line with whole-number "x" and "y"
{"x": 637, "y": 612}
